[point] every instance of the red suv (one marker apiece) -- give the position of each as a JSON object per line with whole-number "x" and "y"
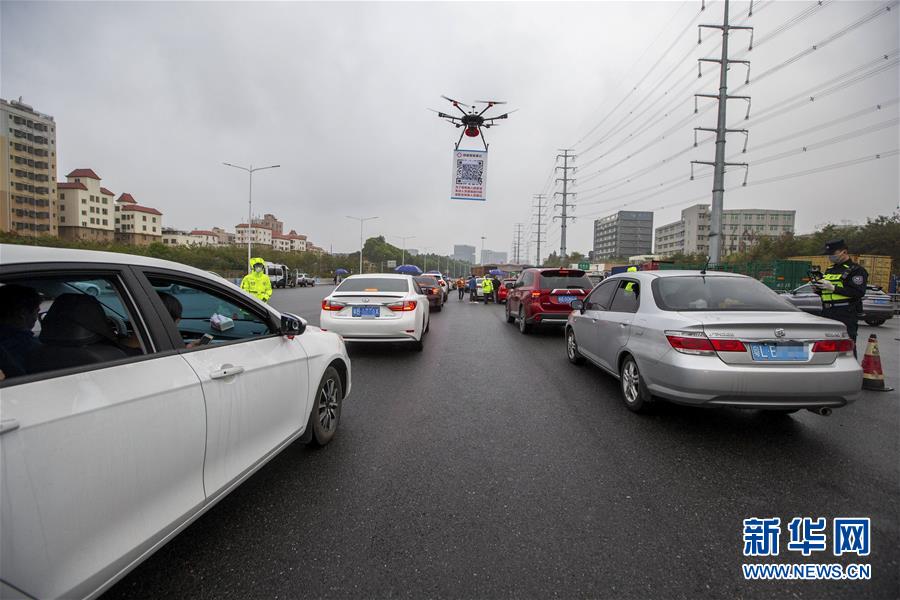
{"x": 544, "y": 296}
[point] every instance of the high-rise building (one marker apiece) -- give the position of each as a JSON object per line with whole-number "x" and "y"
{"x": 27, "y": 170}
{"x": 493, "y": 257}
{"x": 464, "y": 253}
{"x": 741, "y": 229}
{"x": 624, "y": 233}
{"x": 87, "y": 210}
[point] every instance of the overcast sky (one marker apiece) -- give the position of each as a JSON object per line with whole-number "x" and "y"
{"x": 154, "y": 96}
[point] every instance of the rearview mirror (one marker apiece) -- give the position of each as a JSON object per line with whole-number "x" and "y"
{"x": 578, "y": 305}
{"x": 509, "y": 286}
{"x": 292, "y": 325}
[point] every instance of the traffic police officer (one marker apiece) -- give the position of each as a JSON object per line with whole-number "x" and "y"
{"x": 629, "y": 287}
{"x": 487, "y": 288}
{"x": 842, "y": 288}
{"x": 257, "y": 282}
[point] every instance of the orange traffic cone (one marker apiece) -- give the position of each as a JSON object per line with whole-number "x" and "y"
{"x": 873, "y": 376}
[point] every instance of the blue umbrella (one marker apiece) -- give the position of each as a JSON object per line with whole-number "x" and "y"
{"x": 408, "y": 270}
{"x": 495, "y": 272}
{"x": 341, "y": 271}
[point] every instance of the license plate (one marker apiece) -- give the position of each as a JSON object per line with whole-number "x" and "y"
{"x": 880, "y": 301}
{"x": 565, "y": 299}
{"x": 366, "y": 311}
{"x": 783, "y": 352}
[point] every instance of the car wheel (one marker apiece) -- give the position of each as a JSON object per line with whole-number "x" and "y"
{"x": 634, "y": 392}
{"x": 572, "y": 352}
{"x": 524, "y": 327}
{"x": 326, "y": 410}
{"x": 874, "y": 322}
{"x": 438, "y": 308}
{"x": 509, "y": 317}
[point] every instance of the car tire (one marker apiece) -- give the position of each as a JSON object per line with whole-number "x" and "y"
{"x": 509, "y": 317}
{"x": 326, "y": 410}
{"x": 572, "y": 352}
{"x": 634, "y": 392}
{"x": 524, "y": 327}
{"x": 874, "y": 322}
{"x": 438, "y": 308}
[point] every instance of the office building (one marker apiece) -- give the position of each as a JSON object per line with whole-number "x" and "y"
{"x": 464, "y": 253}
{"x": 741, "y": 229}
{"x": 624, "y": 233}
{"x": 493, "y": 257}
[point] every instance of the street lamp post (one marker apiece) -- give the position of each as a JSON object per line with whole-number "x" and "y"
{"x": 250, "y": 171}
{"x": 425, "y": 255}
{"x": 361, "y": 221}
{"x": 403, "y": 241}
{"x": 481, "y": 261}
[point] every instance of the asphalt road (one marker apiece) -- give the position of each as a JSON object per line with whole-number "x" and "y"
{"x": 487, "y": 466}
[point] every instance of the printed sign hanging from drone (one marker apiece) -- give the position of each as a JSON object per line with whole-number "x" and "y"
{"x": 469, "y": 170}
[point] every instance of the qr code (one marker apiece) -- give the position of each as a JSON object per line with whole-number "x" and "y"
{"x": 469, "y": 171}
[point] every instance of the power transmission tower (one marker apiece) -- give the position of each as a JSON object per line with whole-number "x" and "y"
{"x": 517, "y": 245}
{"x": 564, "y": 217}
{"x": 540, "y": 234}
{"x": 718, "y": 199}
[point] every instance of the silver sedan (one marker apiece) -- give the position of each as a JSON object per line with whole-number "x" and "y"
{"x": 877, "y": 306}
{"x": 713, "y": 339}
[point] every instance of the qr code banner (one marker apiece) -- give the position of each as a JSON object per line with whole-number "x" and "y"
{"x": 469, "y": 170}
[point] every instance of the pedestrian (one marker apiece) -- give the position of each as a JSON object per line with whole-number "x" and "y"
{"x": 487, "y": 288}
{"x": 473, "y": 289}
{"x": 842, "y": 288}
{"x": 461, "y": 287}
{"x": 495, "y": 284}
{"x": 257, "y": 282}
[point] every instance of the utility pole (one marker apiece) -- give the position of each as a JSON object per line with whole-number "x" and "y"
{"x": 718, "y": 194}
{"x": 517, "y": 247}
{"x": 540, "y": 233}
{"x": 564, "y": 217}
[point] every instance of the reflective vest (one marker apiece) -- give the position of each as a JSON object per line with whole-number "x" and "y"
{"x": 629, "y": 287}
{"x": 834, "y": 296}
{"x": 257, "y": 284}
{"x": 486, "y": 286}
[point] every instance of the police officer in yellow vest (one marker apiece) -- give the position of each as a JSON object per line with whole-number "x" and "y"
{"x": 257, "y": 281}
{"x": 629, "y": 287}
{"x": 842, "y": 288}
{"x": 487, "y": 286}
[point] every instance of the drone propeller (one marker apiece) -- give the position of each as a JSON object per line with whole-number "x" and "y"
{"x": 443, "y": 115}
{"x": 455, "y": 102}
{"x": 491, "y": 102}
{"x": 503, "y": 116}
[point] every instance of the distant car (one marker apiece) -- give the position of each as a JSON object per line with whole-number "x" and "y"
{"x": 278, "y": 274}
{"x": 503, "y": 291}
{"x": 714, "y": 339}
{"x": 544, "y": 296}
{"x": 432, "y": 289}
{"x": 377, "y": 308}
{"x": 442, "y": 281}
{"x": 595, "y": 278}
{"x": 121, "y": 425}
{"x": 877, "y": 306}
{"x": 304, "y": 280}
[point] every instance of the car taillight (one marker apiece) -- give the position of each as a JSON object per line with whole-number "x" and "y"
{"x": 728, "y": 345}
{"x": 435, "y": 291}
{"x": 402, "y": 306}
{"x": 839, "y": 346}
{"x": 331, "y": 305}
{"x": 536, "y": 294}
{"x": 688, "y": 342}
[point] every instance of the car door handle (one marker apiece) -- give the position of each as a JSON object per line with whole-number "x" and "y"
{"x": 624, "y": 324}
{"x": 226, "y": 371}
{"x": 8, "y": 425}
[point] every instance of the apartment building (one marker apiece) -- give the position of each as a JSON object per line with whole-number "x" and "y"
{"x": 270, "y": 222}
{"x": 624, "y": 233}
{"x": 257, "y": 234}
{"x": 86, "y": 208}
{"x": 741, "y": 229}
{"x": 136, "y": 224}
{"x": 28, "y": 204}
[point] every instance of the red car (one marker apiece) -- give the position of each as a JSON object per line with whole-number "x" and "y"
{"x": 544, "y": 296}
{"x": 503, "y": 291}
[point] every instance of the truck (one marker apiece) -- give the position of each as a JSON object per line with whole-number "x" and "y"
{"x": 278, "y": 274}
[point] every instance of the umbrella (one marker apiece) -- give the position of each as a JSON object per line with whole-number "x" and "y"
{"x": 409, "y": 270}
{"x": 341, "y": 272}
{"x": 495, "y": 272}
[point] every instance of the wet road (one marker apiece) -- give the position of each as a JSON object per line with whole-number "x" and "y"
{"x": 487, "y": 466}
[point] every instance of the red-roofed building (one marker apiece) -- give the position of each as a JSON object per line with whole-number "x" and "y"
{"x": 136, "y": 224}
{"x": 203, "y": 237}
{"x": 86, "y": 210}
{"x": 258, "y": 234}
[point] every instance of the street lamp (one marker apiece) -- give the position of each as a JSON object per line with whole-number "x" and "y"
{"x": 425, "y": 255}
{"x": 481, "y": 261}
{"x": 361, "y": 221}
{"x": 250, "y": 170}
{"x": 403, "y": 241}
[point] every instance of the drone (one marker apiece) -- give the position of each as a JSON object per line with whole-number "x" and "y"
{"x": 472, "y": 121}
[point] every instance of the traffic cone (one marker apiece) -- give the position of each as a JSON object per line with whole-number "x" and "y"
{"x": 873, "y": 376}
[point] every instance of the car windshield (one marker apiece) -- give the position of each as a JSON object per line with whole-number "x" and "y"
{"x": 373, "y": 284}
{"x": 552, "y": 280}
{"x": 427, "y": 281}
{"x": 711, "y": 293}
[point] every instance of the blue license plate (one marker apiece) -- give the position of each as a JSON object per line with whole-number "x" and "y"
{"x": 783, "y": 352}
{"x": 366, "y": 311}
{"x": 880, "y": 300}
{"x": 565, "y": 299}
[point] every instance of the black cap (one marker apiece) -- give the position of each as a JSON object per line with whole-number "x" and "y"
{"x": 834, "y": 245}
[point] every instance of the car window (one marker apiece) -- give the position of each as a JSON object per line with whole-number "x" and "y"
{"x": 57, "y": 322}
{"x": 562, "y": 279}
{"x": 627, "y": 297}
{"x": 698, "y": 292}
{"x": 374, "y": 284}
{"x": 427, "y": 281}
{"x": 804, "y": 289}
{"x": 197, "y": 310}
{"x": 601, "y": 297}
{"x": 528, "y": 278}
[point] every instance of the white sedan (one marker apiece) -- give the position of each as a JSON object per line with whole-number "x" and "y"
{"x": 135, "y": 394}
{"x": 381, "y": 307}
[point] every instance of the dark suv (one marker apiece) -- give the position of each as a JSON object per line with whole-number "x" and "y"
{"x": 542, "y": 296}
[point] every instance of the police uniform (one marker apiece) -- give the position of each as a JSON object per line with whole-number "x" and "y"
{"x": 844, "y": 303}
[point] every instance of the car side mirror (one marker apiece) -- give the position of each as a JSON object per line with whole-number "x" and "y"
{"x": 292, "y": 325}
{"x": 509, "y": 286}
{"x": 519, "y": 284}
{"x": 578, "y": 305}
